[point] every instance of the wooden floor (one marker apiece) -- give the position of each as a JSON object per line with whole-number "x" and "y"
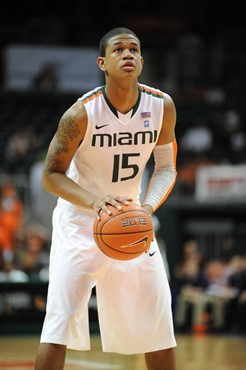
{"x": 192, "y": 353}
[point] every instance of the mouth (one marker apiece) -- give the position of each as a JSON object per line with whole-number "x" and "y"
{"x": 128, "y": 66}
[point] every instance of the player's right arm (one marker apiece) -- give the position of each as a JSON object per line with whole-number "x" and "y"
{"x": 69, "y": 134}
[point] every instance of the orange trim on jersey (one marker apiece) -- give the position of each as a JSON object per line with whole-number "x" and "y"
{"x": 175, "y": 151}
{"x": 92, "y": 97}
{"x": 152, "y": 91}
{"x": 165, "y": 197}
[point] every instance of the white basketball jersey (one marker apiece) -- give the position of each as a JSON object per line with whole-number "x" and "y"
{"x": 113, "y": 154}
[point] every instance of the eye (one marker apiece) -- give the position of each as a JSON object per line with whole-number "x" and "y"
{"x": 118, "y": 50}
{"x": 134, "y": 50}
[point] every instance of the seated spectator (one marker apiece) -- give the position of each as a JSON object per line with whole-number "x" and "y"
{"x": 210, "y": 300}
{"x": 218, "y": 291}
{"x": 34, "y": 256}
{"x": 235, "y": 319}
{"x": 190, "y": 282}
{"x": 191, "y": 258}
{"x": 11, "y": 213}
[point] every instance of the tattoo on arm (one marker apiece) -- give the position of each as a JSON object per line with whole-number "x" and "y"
{"x": 67, "y": 131}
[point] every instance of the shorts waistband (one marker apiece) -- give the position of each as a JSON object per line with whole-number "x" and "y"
{"x": 70, "y": 207}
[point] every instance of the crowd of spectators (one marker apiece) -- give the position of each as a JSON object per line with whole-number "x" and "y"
{"x": 210, "y": 295}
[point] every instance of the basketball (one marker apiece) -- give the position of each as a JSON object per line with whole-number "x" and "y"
{"x": 125, "y": 234}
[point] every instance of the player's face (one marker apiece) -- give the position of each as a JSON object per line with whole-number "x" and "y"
{"x": 123, "y": 57}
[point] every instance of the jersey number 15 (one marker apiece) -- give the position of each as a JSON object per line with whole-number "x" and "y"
{"x": 123, "y": 162}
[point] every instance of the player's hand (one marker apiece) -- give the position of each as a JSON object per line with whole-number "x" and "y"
{"x": 101, "y": 204}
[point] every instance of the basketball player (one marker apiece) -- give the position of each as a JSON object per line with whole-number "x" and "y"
{"x": 95, "y": 159}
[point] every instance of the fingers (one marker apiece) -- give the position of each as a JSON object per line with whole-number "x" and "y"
{"x": 101, "y": 208}
{"x": 101, "y": 205}
{"x": 123, "y": 200}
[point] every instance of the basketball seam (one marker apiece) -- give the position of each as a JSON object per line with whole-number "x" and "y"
{"x": 121, "y": 233}
{"x": 117, "y": 250}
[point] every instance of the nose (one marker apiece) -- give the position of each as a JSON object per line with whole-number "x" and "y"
{"x": 127, "y": 54}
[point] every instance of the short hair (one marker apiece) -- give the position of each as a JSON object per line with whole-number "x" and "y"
{"x": 114, "y": 32}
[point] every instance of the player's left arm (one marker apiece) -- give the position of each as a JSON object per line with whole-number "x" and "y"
{"x": 165, "y": 153}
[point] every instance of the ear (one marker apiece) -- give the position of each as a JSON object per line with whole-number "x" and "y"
{"x": 101, "y": 63}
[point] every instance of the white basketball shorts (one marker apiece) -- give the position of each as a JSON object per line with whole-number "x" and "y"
{"x": 133, "y": 297}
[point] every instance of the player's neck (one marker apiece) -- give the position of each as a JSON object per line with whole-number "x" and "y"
{"x": 123, "y": 98}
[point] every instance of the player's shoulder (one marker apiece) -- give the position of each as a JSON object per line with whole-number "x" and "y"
{"x": 91, "y": 95}
{"x": 152, "y": 91}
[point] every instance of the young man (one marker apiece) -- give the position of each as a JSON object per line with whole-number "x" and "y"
{"x": 97, "y": 158}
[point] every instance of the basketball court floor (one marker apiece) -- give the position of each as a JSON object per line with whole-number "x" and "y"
{"x": 192, "y": 353}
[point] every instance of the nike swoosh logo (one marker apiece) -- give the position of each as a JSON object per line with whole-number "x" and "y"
{"x": 98, "y": 127}
{"x": 143, "y": 240}
{"x": 151, "y": 254}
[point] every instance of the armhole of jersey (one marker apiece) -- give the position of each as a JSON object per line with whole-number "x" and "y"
{"x": 161, "y": 115}
{"x": 88, "y": 128}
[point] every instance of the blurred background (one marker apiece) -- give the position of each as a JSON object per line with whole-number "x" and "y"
{"x": 194, "y": 51}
